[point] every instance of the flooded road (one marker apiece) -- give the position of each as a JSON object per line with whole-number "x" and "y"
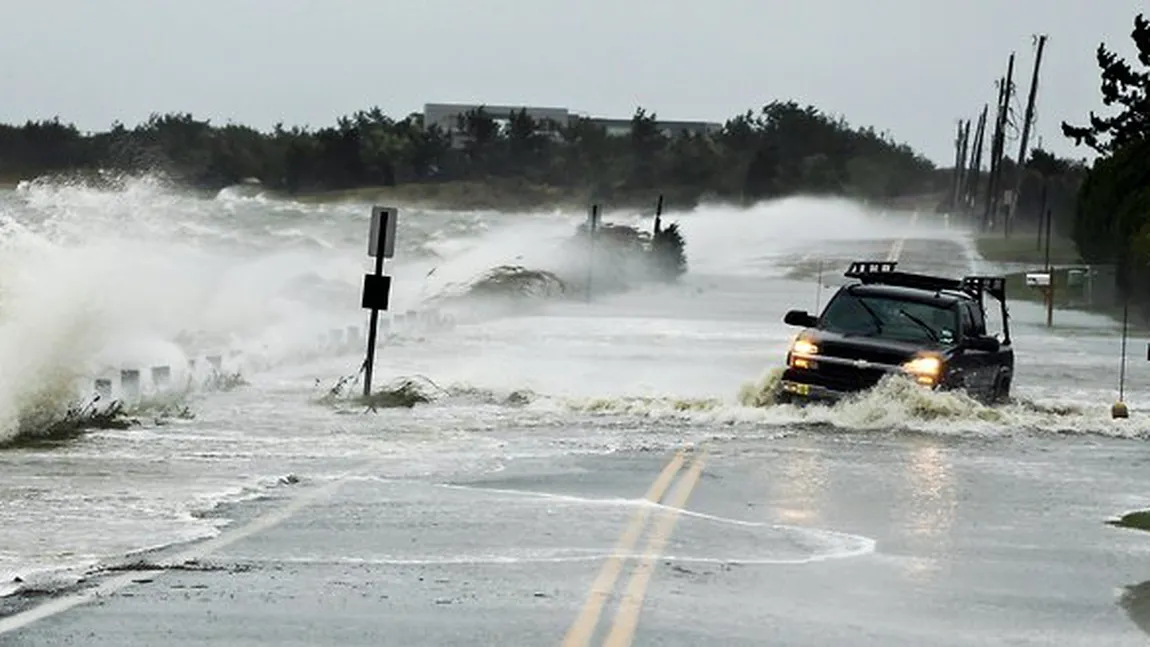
{"x": 491, "y": 514}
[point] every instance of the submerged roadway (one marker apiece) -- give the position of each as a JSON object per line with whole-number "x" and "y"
{"x": 816, "y": 537}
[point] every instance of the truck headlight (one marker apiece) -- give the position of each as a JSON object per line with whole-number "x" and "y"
{"x": 925, "y": 369}
{"x": 804, "y": 347}
{"x": 802, "y": 354}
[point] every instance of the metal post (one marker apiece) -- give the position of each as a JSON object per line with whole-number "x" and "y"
{"x": 1049, "y": 276}
{"x": 129, "y": 384}
{"x": 819, "y": 287}
{"x": 592, "y": 225}
{"x": 1041, "y": 216}
{"x": 372, "y": 328}
{"x": 1122, "y": 370}
{"x": 377, "y": 287}
{"x": 161, "y": 377}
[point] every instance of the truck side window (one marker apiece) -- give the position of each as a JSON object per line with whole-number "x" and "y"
{"x": 979, "y": 320}
{"x": 973, "y": 323}
{"x": 964, "y": 315}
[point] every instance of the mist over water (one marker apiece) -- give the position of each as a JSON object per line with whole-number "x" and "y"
{"x": 139, "y": 274}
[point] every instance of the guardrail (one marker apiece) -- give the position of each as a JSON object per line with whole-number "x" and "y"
{"x": 204, "y": 371}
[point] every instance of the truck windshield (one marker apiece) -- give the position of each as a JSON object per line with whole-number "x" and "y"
{"x": 890, "y": 318}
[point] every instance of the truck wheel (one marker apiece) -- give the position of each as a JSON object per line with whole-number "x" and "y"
{"x": 1001, "y": 393}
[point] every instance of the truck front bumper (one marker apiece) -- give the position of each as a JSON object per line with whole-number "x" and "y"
{"x": 794, "y": 391}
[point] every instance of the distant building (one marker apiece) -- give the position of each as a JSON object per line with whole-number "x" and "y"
{"x": 622, "y": 127}
{"x": 446, "y": 116}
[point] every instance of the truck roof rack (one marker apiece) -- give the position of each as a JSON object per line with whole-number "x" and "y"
{"x": 995, "y": 286}
{"x": 884, "y": 273}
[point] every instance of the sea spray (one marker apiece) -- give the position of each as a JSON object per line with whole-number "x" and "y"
{"x": 93, "y": 280}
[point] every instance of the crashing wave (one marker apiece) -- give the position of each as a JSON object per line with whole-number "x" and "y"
{"x": 615, "y": 258}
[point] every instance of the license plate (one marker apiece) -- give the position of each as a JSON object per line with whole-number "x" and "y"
{"x": 797, "y": 387}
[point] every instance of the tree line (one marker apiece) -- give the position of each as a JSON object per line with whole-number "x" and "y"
{"x": 783, "y": 148}
{"x": 1111, "y": 221}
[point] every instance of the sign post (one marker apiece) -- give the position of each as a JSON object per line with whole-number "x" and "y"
{"x": 1119, "y": 408}
{"x": 592, "y": 226}
{"x": 1050, "y": 276}
{"x": 377, "y": 286}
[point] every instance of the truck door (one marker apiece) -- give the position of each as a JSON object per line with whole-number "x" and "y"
{"x": 982, "y": 364}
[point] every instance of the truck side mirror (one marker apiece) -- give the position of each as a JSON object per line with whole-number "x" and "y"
{"x": 800, "y": 318}
{"x": 984, "y": 343}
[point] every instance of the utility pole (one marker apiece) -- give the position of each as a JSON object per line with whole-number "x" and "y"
{"x": 974, "y": 178}
{"x": 1005, "y": 116}
{"x": 1022, "y": 151}
{"x": 963, "y": 153}
{"x": 956, "y": 176}
{"x": 995, "y": 156}
{"x": 1006, "y": 93}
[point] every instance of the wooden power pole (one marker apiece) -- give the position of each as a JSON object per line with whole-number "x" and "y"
{"x": 1022, "y": 151}
{"x": 963, "y": 152}
{"x": 1006, "y": 92}
{"x": 992, "y": 157}
{"x": 974, "y": 176}
{"x": 956, "y": 176}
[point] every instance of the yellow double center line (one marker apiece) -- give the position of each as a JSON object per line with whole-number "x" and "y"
{"x": 896, "y": 246}
{"x": 627, "y": 616}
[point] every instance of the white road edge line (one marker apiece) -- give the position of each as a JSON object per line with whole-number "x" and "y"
{"x": 197, "y": 551}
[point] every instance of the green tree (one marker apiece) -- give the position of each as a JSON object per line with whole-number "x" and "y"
{"x": 1128, "y": 88}
{"x": 783, "y": 148}
{"x": 1112, "y": 221}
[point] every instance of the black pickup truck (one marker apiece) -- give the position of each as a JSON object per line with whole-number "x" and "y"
{"x": 929, "y": 328}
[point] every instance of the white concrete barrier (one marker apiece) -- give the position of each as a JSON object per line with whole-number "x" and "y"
{"x": 203, "y": 370}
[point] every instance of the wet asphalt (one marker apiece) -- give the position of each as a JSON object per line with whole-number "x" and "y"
{"x": 816, "y": 538}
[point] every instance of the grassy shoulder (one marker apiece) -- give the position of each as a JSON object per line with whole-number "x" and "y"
{"x": 1072, "y": 291}
{"x": 1071, "y": 287}
{"x": 1024, "y": 247}
{"x": 1071, "y": 294}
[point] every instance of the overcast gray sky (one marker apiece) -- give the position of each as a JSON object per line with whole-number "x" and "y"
{"x": 911, "y": 67}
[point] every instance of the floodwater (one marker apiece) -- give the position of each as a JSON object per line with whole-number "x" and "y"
{"x": 93, "y": 282}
